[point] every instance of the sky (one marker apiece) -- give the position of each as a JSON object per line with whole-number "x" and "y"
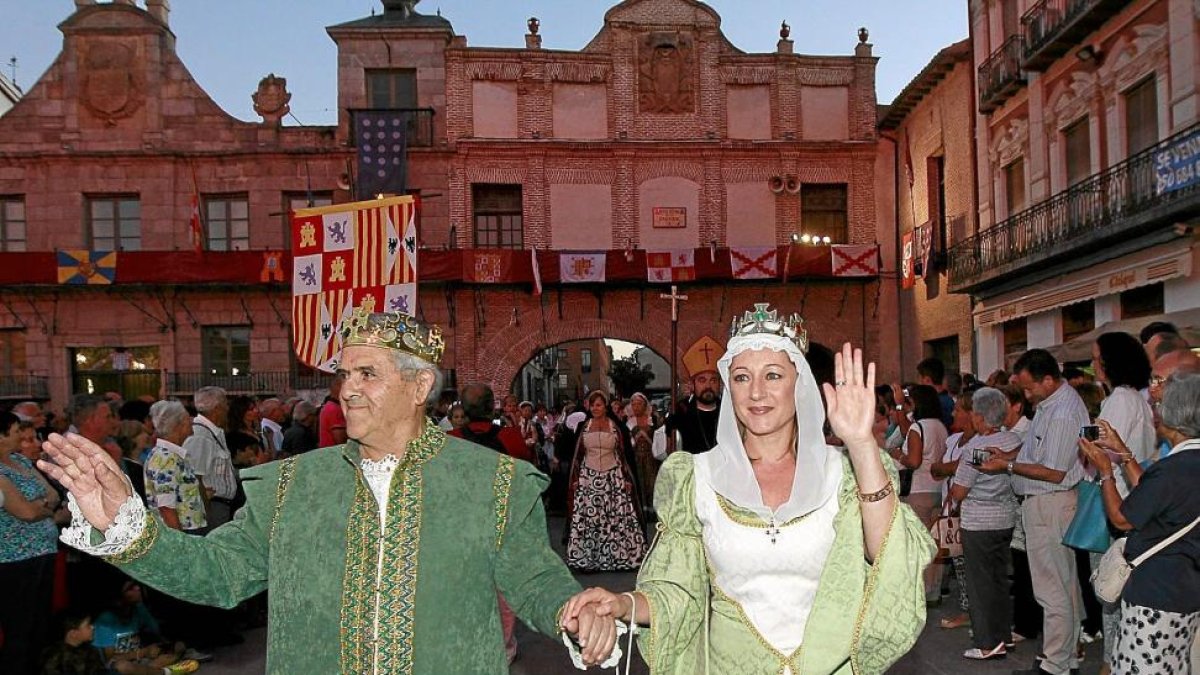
{"x": 229, "y": 45}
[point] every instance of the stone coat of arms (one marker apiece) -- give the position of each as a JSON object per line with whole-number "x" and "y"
{"x": 111, "y": 89}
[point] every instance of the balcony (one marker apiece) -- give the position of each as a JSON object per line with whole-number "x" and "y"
{"x": 1054, "y": 27}
{"x": 25, "y": 388}
{"x": 418, "y": 125}
{"x": 265, "y": 383}
{"x": 1001, "y": 76}
{"x": 1127, "y": 207}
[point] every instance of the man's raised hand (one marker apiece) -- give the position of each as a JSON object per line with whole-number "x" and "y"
{"x": 90, "y": 474}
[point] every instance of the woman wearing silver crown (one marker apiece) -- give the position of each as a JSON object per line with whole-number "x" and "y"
{"x": 777, "y": 553}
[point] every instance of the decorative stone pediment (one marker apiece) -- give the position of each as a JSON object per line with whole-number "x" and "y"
{"x": 1011, "y": 143}
{"x": 663, "y": 13}
{"x": 1133, "y": 59}
{"x": 1071, "y": 100}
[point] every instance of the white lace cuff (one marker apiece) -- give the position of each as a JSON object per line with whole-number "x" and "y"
{"x": 126, "y": 528}
{"x": 614, "y": 659}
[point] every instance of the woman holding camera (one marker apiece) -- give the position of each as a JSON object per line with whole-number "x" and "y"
{"x": 1160, "y": 605}
{"x": 988, "y": 514}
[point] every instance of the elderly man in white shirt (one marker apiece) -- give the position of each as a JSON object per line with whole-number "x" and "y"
{"x": 273, "y": 414}
{"x": 208, "y": 453}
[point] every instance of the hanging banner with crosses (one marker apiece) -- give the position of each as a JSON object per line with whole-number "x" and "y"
{"x": 346, "y": 256}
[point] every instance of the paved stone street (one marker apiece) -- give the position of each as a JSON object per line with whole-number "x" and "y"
{"x": 937, "y": 652}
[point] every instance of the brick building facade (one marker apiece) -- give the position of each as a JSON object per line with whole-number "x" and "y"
{"x": 1087, "y": 115}
{"x": 508, "y": 148}
{"x": 930, "y": 123}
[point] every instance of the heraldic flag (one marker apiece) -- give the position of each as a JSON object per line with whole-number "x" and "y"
{"x": 81, "y": 267}
{"x": 347, "y": 256}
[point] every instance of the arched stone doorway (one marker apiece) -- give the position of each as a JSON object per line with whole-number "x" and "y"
{"x": 569, "y": 370}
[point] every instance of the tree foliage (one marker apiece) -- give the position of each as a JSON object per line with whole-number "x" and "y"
{"x": 629, "y": 377}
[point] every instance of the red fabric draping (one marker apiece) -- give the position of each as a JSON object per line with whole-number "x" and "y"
{"x": 455, "y": 265}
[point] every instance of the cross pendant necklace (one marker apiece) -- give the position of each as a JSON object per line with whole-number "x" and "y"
{"x": 772, "y": 530}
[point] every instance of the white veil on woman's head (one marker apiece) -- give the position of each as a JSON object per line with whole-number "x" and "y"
{"x": 818, "y": 466}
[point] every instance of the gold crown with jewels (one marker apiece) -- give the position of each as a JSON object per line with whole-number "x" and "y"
{"x": 393, "y": 330}
{"x": 765, "y": 321}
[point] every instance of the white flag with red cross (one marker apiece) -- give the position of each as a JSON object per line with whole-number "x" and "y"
{"x": 855, "y": 260}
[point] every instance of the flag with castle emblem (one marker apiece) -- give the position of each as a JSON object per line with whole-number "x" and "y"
{"x": 581, "y": 268}
{"x": 349, "y": 255}
{"x": 671, "y": 266}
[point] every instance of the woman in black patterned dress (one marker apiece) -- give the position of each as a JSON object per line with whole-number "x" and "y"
{"x": 604, "y": 512}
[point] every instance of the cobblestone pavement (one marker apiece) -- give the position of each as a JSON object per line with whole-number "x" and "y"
{"x": 938, "y": 651}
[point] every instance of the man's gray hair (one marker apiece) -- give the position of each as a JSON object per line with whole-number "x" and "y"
{"x": 83, "y": 406}
{"x": 409, "y": 366}
{"x": 1167, "y": 343}
{"x": 302, "y": 410}
{"x": 208, "y": 399}
{"x": 991, "y": 404}
{"x": 167, "y": 416}
{"x": 1180, "y": 408}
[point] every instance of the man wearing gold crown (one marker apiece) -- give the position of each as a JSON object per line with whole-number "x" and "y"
{"x": 382, "y": 555}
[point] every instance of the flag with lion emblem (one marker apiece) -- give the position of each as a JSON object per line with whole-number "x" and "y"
{"x": 346, "y": 256}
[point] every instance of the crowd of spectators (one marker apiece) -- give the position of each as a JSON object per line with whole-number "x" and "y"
{"x": 1011, "y": 458}
{"x": 64, "y": 612}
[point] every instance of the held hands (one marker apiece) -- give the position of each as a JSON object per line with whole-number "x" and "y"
{"x": 90, "y": 474}
{"x": 851, "y": 400}
{"x": 589, "y": 617}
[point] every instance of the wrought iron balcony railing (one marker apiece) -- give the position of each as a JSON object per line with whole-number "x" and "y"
{"x": 1001, "y": 76}
{"x": 255, "y": 384}
{"x": 1053, "y": 27}
{"x": 25, "y": 387}
{"x": 1157, "y": 186}
{"x": 418, "y": 125}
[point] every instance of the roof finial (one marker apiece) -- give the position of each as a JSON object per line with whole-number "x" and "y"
{"x": 785, "y": 31}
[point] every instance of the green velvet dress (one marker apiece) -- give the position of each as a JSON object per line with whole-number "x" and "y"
{"x": 463, "y": 522}
{"x": 864, "y": 616}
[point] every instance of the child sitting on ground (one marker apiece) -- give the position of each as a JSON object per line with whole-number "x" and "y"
{"x": 74, "y": 655}
{"x": 128, "y": 637}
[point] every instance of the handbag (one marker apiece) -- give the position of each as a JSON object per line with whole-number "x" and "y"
{"x": 1088, "y": 530}
{"x": 658, "y": 445}
{"x": 1113, "y": 572}
{"x": 947, "y": 534}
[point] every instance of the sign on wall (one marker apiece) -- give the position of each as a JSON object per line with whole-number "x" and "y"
{"x": 669, "y": 217}
{"x": 1177, "y": 166}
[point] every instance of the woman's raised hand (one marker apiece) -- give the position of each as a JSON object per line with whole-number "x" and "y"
{"x": 850, "y": 401}
{"x": 90, "y": 474}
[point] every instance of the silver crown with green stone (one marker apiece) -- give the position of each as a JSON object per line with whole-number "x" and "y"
{"x": 763, "y": 321}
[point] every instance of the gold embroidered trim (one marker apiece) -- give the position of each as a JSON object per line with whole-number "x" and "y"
{"x": 784, "y": 659}
{"x": 397, "y": 598}
{"x": 872, "y": 579}
{"x": 505, "y": 471}
{"x": 748, "y": 519}
{"x": 358, "y": 585}
{"x": 287, "y": 469}
{"x": 140, "y": 546}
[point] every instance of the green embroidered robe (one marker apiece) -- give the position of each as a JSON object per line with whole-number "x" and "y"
{"x": 863, "y": 619}
{"x": 463, "y": 521}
